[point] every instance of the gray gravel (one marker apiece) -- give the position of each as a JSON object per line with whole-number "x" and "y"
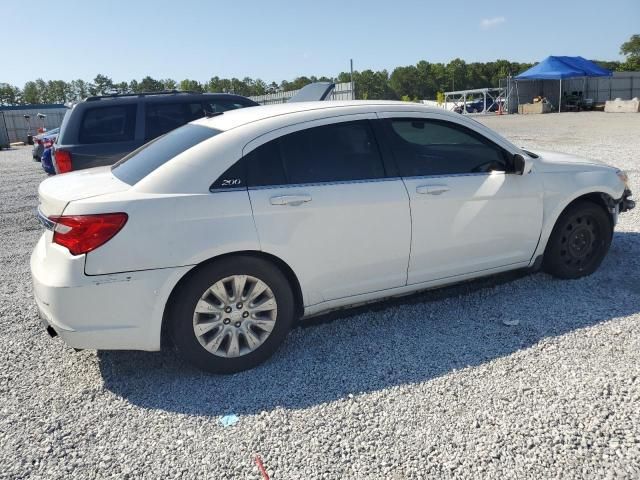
{"x": 435, "y": 385}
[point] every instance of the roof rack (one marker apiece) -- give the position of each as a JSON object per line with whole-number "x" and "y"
{"x": 141, "y": 94}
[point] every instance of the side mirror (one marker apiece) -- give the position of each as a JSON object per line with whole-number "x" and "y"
{"x": 521, "y": 165}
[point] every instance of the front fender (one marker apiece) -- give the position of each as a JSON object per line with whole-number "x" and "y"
{"x": 561, "y": 189}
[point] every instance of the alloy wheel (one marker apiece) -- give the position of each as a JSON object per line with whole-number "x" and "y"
{"x": 235, "y": 315}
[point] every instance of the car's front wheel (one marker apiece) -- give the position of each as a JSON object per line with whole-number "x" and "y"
{"x": 232, "y": 314}
{"x": 579, "y": 241}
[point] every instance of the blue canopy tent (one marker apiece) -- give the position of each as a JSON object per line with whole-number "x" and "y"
{"x": 558, "y": 68}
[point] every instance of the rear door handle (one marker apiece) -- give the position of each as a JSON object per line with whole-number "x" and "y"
{"x": 432, "y": 189}
{"x": 293, "y": 200}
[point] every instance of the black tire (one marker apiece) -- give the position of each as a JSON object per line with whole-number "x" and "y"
{"x": 182, "y": 313}
{"x": 579, "y": 241}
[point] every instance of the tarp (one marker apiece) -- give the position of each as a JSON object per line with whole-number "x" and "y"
{"x": 557, "y": 68}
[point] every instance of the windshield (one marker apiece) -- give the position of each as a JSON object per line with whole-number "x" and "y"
{"x": 141, "y": 162}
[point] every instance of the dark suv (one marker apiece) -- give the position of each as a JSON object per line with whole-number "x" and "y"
{"x": 101, "y": 130}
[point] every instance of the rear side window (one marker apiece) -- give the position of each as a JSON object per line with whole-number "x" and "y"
{"x": 436, "y": 147}
{"x": 161, "y": 118}
{"x": 265, "y": 165}
{"x": 63, "y": 125}
{"x": 140, "y": 163}
{"x": 330, "y": 153}
{"x": 108, "y": 124}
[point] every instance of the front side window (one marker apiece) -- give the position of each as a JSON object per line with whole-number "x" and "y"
{"x": 330, "y": 153}
{"x": 436, "y": 147}
{"x": 141, "y": 162}
{"x": 108, "y": 124}
{"x": 161, "y": 118}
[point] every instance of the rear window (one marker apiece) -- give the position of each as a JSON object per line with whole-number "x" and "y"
{"x": 141, "y": 162}
{"x": 108, "y": 124}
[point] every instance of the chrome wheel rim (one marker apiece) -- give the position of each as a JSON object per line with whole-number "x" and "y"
{"x": 235, "y": 315}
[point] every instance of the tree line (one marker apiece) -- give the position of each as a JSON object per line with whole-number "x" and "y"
{"x": 420, "y": 81}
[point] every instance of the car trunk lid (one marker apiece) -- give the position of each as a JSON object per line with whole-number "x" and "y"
{"x": 56, "y": 192}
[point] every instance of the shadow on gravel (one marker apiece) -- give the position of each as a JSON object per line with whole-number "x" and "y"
{"x": 397, "y": 342}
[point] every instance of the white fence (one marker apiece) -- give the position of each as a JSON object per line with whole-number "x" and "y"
{"x": 342, "y": 91}
{"x": 15, "y": 128}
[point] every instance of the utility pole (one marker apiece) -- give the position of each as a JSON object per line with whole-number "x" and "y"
{"x": 353, "y": 93}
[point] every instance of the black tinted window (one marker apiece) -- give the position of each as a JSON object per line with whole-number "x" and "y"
{"x": 435, "y": 147}
{"x": 161, "y": 118}
{"x": 330, "y": 153}
{"x": 265, "y": 165}
{"x": 140, "y": 163}
{"x": 108, "y": 124}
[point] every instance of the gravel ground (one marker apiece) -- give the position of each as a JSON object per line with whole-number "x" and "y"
{"x": 432, "y": 386}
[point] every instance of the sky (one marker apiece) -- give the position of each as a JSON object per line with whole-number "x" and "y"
{"x": 279, "y": 40}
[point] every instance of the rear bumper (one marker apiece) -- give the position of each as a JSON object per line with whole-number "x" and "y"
{"x": 104, "y": 312}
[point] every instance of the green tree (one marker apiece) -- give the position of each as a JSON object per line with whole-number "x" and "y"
{"x": 169, "y": 84}
{"x": 79, "y": 90}
{"x": 191, "y": 85}
{"x": 370, "y": 85}
{"x": 30, "y": 93}
{"x": 102, "y": 85}
{"x": 10, "y": 95}
{"x": 121, "y": 87}
{"x": 405, "y": 81}
{"x": 148, "y": 84}
{"x": 58, "y": 91}
{"x": 631, "y": 50}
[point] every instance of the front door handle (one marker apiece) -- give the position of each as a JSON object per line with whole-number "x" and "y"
{"x": 432, "y": 189}
{"x": 293, "y": 200}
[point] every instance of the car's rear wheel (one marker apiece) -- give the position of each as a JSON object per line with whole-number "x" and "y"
{"x": 579, "y": 241}
{"x": 232, "y": 314}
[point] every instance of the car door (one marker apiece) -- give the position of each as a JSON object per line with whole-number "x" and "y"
{"x": 469, "y": 213}
{"x": 323, "y": 203}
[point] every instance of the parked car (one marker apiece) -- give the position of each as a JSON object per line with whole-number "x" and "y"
{"x": 479, "y": 105}
{"x": 39, "y": 140}
{"x": 222, "y": 233}
{"x": 47, "y": 161}
{"x": 101, "y": 130}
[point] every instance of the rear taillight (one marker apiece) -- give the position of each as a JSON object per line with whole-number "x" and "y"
{"x": 84, "y": 233}
{"x": 63, "y": 161}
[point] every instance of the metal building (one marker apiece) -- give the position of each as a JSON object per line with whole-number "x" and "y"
{"x": 14, "y": 127}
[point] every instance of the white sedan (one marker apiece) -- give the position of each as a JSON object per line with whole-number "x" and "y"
{"x": 219, "y": 235}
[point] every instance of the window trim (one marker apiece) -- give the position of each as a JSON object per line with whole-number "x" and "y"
{"x": 388, "y": 133}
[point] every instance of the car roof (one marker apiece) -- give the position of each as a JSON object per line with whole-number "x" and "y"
{"x": 236, "y": 118}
